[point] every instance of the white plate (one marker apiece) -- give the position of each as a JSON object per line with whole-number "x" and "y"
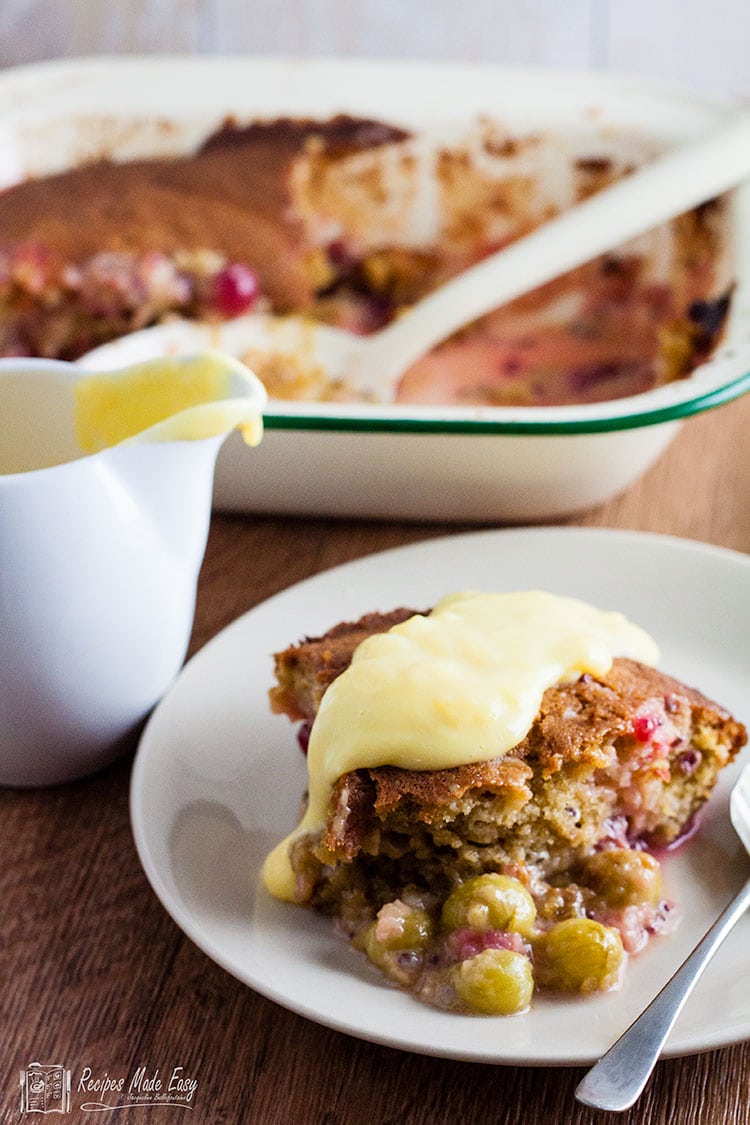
{"x": 217, "y": 781}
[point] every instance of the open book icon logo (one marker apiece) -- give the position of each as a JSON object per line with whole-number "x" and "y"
{"x": 45, "y": 1088}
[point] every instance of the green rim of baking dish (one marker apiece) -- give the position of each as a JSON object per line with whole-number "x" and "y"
{"x": 565, "y": 425}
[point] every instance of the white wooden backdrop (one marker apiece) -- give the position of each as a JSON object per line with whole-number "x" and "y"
{"x": 701, "y": 42}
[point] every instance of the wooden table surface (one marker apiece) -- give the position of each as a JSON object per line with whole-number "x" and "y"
{"x": 94, "y": 973}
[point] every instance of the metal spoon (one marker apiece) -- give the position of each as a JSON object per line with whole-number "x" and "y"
{"x": 371, "y": 366}
{"x": 618, "y": 1079}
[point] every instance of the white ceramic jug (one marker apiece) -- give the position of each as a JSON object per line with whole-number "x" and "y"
{"x": 100, "y": 551}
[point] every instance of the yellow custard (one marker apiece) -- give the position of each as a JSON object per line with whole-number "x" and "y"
{"x": 181, "y": 394}
{"x": 461, "y": 685}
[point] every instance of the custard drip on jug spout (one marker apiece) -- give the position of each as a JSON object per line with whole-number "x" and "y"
{"x": 178, "y": 398}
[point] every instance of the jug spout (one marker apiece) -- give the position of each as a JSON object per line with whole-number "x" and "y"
{"x": 175, "y": 398}
{"x": 54, "y": 412}
{"x": 159, "y": 426}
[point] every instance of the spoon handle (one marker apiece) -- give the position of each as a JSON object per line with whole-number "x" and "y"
{"x": 671, "y": 184}
{"x": 618, "y": 1079}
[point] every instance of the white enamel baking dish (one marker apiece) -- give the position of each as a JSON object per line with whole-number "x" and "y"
{"x": 488, "y": 464}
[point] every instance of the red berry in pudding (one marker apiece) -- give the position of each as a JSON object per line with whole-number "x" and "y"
{"x": 645, "y": 725}
{"x": 234, "y": 290}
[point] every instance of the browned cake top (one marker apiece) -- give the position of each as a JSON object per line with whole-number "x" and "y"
{"x": 576, "y": 723}
{"x": 232, "y": 197}
{"x": 304, "y": 671}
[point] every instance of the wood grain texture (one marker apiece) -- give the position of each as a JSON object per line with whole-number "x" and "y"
{"x": 94, "y": 973}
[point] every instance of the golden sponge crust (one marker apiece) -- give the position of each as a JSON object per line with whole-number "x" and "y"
{"x": 628, "y": 757}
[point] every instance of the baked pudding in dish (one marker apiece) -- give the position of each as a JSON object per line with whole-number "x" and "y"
{"x": 490, "y": 785}
{"x": 349, "y": 221}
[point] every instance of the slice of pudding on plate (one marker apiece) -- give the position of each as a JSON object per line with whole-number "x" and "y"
{"x": 487, "y": 782}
